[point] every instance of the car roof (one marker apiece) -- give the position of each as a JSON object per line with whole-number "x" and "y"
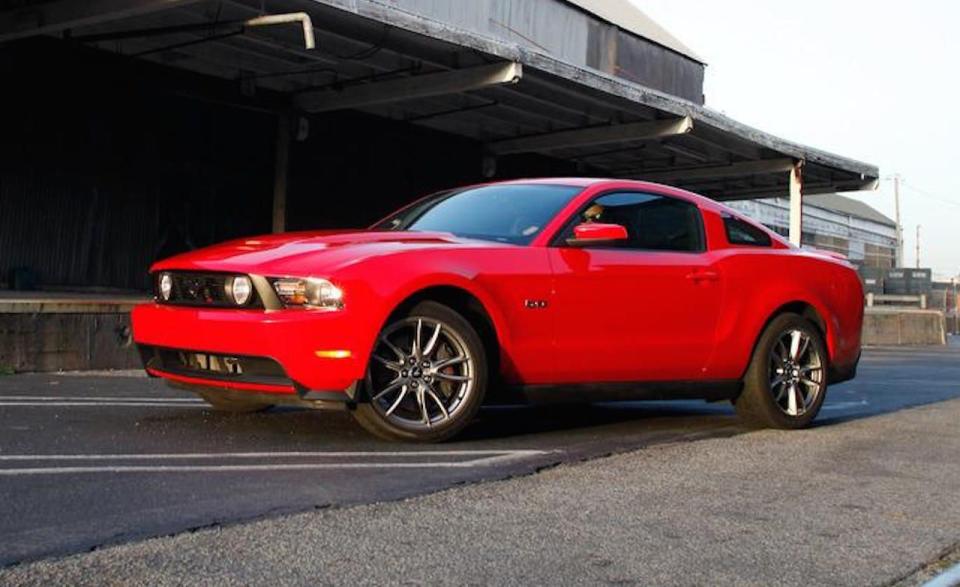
{"x": 572, "y": 181}
{"x": 703, "y": 202}
{"x": 590, "y": 182}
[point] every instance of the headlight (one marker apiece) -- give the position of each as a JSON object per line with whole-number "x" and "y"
{"x": 312, "y": 291}
{"x": 166, "y": 286}
{"x": 240, "y": 289}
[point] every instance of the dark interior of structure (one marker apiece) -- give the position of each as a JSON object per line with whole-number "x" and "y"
{"x": 109, "y": 163}
{"x": 139, "y": 131}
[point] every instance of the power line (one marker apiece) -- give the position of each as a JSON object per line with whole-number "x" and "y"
{"x": 929, "y": 194}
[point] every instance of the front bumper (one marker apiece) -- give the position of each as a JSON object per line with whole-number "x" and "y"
{"x": 316, "y": 352}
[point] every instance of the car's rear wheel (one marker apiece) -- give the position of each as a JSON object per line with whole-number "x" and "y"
{"x": 426, "y": 378}
{"x": 786, "y": 382}
{"x": 221, "y": 403}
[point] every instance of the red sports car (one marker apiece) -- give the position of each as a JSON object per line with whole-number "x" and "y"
{"x": 537, "y": 290}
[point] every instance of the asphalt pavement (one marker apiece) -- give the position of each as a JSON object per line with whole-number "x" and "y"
{"x": 91, "y": 461}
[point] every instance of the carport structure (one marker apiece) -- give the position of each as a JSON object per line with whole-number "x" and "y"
{"x": 321, "y": 56}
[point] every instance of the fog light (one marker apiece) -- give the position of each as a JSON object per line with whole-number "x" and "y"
{"x": 166, "y": 286}
{"x": 240, "y": 288}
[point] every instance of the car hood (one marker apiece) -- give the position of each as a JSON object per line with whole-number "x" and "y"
{"x": 296, "y": 253}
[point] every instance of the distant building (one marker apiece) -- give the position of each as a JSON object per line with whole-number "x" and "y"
{"x": 834, "y": 223}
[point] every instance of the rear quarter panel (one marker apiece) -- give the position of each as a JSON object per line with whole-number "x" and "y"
{"x": 758, "y": 283}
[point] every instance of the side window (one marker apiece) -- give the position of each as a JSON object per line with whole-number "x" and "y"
{"x": 653, "y": 223}
{"x": 741, "y": 233}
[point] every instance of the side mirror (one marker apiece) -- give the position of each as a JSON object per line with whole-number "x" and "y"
{"x": 593, "y": 233}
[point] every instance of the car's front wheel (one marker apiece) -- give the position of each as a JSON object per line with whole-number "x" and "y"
{"x": 786, "y": 382}
{"x": 426, "y": 378}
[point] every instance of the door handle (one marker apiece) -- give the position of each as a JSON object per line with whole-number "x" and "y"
{"x": 698, "y": 276}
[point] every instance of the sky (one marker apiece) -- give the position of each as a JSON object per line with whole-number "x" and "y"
{"x": 874, "y": 81}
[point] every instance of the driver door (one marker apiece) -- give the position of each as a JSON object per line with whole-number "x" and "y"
{"x": 644, "y": 309}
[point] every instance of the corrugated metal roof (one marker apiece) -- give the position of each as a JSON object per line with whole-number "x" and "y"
{"x": 849, "y": 206}
{"x": 626, "y": 15}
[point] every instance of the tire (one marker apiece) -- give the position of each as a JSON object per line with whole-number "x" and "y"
{"x": 221, "y": 403}
{"x": 776, "y": 373}
{"x": 434, "y": 399}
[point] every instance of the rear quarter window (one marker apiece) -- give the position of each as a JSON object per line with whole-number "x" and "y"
{"x": 743, "y": 233}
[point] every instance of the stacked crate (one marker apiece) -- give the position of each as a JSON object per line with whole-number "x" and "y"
{"x": 908, "y": 282}
{"x": 895, "y": 282}
{"x": 919, "y": 281}
{"x": 872, "y": 278}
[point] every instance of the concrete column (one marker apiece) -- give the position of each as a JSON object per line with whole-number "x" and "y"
{"x": 796, "y": 203}
{"x": 280, "y": 172}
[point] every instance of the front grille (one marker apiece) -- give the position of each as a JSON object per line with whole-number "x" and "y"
{"x": 201, "y": 289}
{"x": 239, "y": 368}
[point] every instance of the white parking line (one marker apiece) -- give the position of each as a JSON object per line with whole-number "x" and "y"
{"x": 949, "y": 578}
{"x": 913, "y": 382}
{"x": 45, "y": 398}
{"x": 845, "y": 405}
{"x": 485, "y": 458}
{"x": 67, "y": 401}
{"x": 265, "y": 455}
{"x": 99, "y": 404}
{"x": 231, "y": 468}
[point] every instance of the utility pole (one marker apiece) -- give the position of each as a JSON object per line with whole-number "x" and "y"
{"x": 896, "y": 201}
{"x": 956, "y": 306}
{"x": 918, "y": 246}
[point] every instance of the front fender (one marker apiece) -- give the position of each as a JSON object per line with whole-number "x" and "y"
{"x": 464, "y": 283}
{"x": 379, "y": 297}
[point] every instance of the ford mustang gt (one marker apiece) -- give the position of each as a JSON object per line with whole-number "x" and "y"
{"x": 533, "y": 291}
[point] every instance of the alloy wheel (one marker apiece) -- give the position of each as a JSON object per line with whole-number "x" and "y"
{"x": 421, "y": 373}
{"x": 796, "y": 372}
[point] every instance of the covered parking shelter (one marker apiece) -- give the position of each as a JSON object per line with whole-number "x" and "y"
{"x": 138, "y": 128}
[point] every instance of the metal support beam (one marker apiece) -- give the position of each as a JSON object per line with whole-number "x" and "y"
{"x": 769, "y": 191}
{"x": 300, "y": 18}
{"x": 796, "y": 203}
{"x": 898, "y": 262}
{"x": 281, "y": 172}
{"x": 212, "y": 29}
{"x": 488, "y": 166}
{"x": 600, "y": 135}
{"x": 55, "y": 17}
{"x": 745, "y": 168}
{"x": 410, "y": 88}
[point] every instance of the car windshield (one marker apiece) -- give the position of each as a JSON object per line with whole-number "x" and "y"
{"x": 512, "y": 213}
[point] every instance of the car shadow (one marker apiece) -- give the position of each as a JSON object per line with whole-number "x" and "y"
{"x": 553, "y": 424}
{"x": 592, "y": 419}
{"x": 304, "y": 429}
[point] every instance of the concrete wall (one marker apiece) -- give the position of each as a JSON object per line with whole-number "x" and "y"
{"x": 66, "y": 341}
{"x": 903, "y": 326}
